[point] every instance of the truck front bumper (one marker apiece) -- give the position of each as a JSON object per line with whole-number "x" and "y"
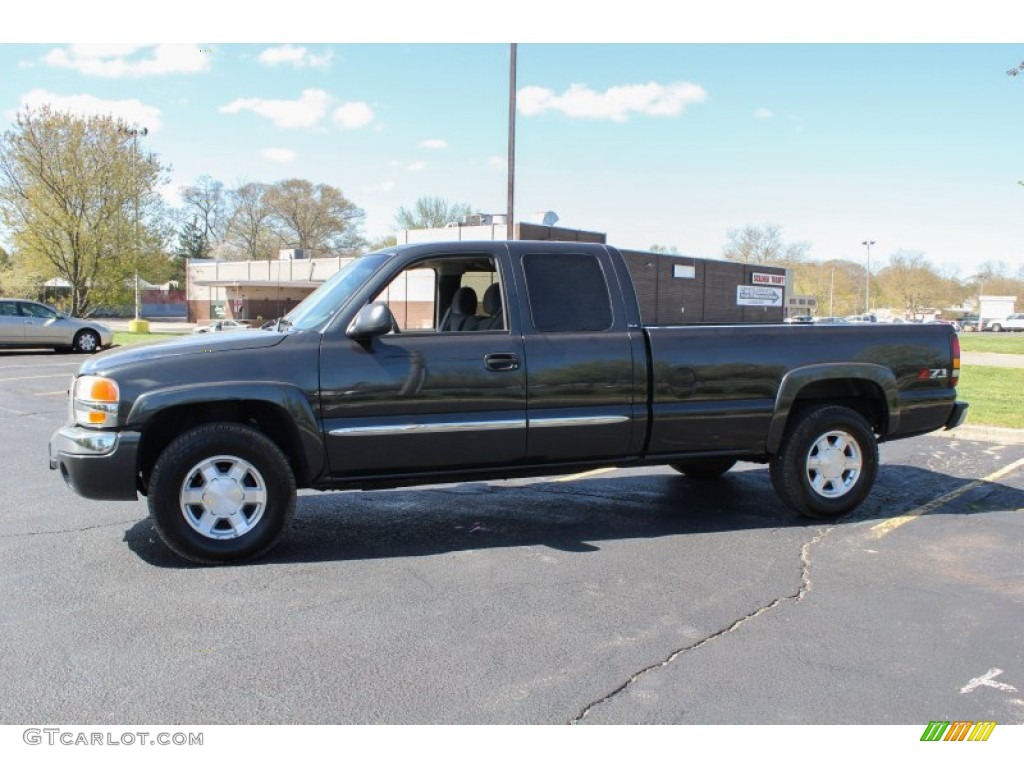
{"x": 96, "y": 465}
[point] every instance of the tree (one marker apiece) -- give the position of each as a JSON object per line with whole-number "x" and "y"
{"x": 912, "y": 283}
{"x": 763, "y": 245}
{"x": 204, "y": 206}
{"x": 381, "y": 243}
{"x": 192, "y": 242}
{"x": 431, "y": 213}
{"x": 250, "y": 229}
{"x": 837, "y": 285}
{"x": 316, "y": 218}
{"x": 81, "y": 203}
{"x": 671, "y": 250}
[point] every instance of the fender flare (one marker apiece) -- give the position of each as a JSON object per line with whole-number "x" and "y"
{"x": 797, "y": 379}
{"x": 286, "y": 397}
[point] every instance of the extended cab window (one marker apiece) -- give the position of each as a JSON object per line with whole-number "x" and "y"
{"x": 447, "y": 294}
{"x": 568, "y": 292}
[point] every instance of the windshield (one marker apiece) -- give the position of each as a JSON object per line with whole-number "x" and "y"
{"x": 322, "y": 303}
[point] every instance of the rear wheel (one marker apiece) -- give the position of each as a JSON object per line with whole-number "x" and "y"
{"x": 827, "y": 462}
{"x": 704, "y": 469}
{"x": 221, "y": 492}
{"x": 997, "y": 327}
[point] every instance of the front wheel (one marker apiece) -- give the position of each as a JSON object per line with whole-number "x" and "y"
{"x": 827, "y": 463}
{"x": 997, "y": 328}
{"x": 87, "y": 342}
{"x": 221, "y": 492}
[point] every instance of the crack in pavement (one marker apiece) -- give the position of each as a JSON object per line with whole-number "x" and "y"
{"x": 66, "y": 530}
{"x": 796, "y": 597}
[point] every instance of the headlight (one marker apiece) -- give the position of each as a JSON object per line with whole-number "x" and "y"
{"x": 94, "y": 401}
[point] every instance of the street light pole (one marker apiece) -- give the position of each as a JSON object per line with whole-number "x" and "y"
{"x": 867, "y": 278}
{"x": 511, "y": 142}
{"x": 135, "y": 133}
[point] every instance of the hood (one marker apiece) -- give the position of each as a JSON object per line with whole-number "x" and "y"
{"x": 202, "y": 344}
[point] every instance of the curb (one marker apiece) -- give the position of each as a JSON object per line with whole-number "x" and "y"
{"x": 1005, "y": 435}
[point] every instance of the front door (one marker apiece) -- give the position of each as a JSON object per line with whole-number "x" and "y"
{"x": 425, "y": 398}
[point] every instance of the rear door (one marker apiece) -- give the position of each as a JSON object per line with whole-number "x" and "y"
{"x": 12, "y": 328}
{"x": 586, "y": 389}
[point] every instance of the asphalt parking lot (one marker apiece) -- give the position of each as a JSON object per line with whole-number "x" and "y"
{"x": 618, "y": 596}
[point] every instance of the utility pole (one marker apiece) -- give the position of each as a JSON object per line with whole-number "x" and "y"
{"x": 867, "y": 278}
{"x": 511, "y": 142}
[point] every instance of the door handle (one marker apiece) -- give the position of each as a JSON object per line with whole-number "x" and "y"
{"x": 501, "y": 361}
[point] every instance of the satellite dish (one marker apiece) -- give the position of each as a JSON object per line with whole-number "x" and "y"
{"x": 547, "y": 218}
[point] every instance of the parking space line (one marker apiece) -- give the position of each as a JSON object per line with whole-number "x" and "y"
{"x": 584, "y": 475}
{"x": 888, "y": 526}
{"x": 41, "y": 376}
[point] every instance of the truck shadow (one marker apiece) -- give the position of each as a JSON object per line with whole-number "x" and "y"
{"x": 574, "y": 516}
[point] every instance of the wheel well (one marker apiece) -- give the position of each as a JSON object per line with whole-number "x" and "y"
{"x": 860, "y": 395}
{"x": 268, "y": 418}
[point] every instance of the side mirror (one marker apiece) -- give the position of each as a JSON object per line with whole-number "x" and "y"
{"x": 373, "y": 320}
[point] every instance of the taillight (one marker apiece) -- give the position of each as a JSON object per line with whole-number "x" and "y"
{"x": 954, "y": 372}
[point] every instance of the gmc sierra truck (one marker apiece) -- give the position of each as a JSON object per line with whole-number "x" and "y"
{"x": 446, "y": 362}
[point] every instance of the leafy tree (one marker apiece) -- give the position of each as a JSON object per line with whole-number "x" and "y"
{"x": 381, "y": 243}
{"x": 837, "y": 285}
{"x": 431, "y": 213}
{"x": 912, "y": 283}
{"x": 671, "y": 250}
{"x": 80, "y": 203}
{"x": 192, "y": 241}
{"x": 763, "y": 245}
{"x": 249, "y": 230}
{"x": 317, "y": 218}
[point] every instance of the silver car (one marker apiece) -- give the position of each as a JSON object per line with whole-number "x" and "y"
{"x": 25, "y": 323}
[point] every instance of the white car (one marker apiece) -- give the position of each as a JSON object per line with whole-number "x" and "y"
{"x": 25, "y": 323}
{"x": 223, "y": 325}
{"x": 1013, "y": 322}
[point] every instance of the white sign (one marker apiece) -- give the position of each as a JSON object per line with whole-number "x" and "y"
{"x": 766, "y": 278}
{"x": 758, "y": 296}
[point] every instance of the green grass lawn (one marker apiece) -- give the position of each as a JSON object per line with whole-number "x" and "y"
{"x": 996, "y": 395}
{"x": 1007, "y": 343}
{"x": 125, "y": 339}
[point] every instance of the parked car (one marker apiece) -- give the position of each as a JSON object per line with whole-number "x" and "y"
{"x": 828, "y": 320}
{"x": 969, "y": 323}
{"x": 799, "y": 320}
{"x": 25, "y": 323}
{"x": 1014, "y": 322}
{"x": 223, "y": 325}
{"x": 866, "y": 318}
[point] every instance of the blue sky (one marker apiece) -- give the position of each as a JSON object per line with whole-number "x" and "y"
{"x": 916, "y": 146}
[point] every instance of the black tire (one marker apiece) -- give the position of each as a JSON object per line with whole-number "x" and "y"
{"x": 241, "y": 513}
{"x": 827, "y": 462}
{"x": 997, "y": 328}
{"x": 704, "y": 469}
{"x": 87, "y": 342}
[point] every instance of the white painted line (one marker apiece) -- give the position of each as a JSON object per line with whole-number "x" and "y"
{"x": 584, "y": 475}
{"x": 42, "y": 376}
{"x": 888, "y": 526}
{"x": 988, "y": 681}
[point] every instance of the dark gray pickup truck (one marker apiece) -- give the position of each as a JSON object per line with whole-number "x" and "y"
{"x": 458, "y": 361}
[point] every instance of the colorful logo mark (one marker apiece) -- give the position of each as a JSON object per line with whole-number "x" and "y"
{"x": 958, "y": 730}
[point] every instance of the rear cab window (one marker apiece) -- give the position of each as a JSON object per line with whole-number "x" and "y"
{"x": 567, "y": 292}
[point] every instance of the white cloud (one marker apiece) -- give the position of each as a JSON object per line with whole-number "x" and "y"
{"x": 763, "y": 113}
{"x": 121, "y": 61}
{"x": 83, "y": 104}
{"x": 384, "y": 186}
{"x": 497, "y": 161}
{"x": 296, "y": 55}
{"x": 278, "y": 154}
{"x": 617, "y": 103}
{"x": 354, "y": 114}
{"x": 434, "y": 144}
{"x": 419, "y": 165}
{"x": 304, "y": 112}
